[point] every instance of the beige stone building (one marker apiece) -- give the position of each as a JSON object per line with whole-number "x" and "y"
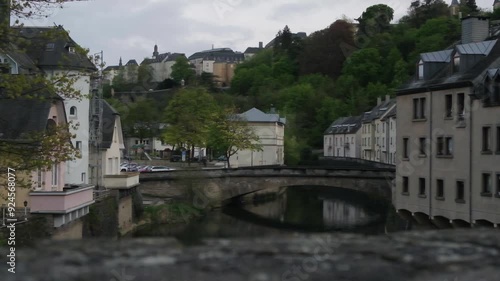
{"x": 270, "y": 128}
{"x": 449, "y": 133}
{"x": 343, "y": 138}
{"x": 374, "y": 134}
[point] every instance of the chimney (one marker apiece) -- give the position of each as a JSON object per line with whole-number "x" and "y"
{"x": 475, "y": 29}
{"x": 261, "y": 45}
{"x": 387, "y": 97}
{"x": 379, "y": 100}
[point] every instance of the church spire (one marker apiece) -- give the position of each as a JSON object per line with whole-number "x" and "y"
{"x": 120, "y": 64}
{"x": 155, "y": 52}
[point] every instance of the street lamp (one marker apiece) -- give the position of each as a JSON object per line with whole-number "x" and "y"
{"x": 25, "y": 210}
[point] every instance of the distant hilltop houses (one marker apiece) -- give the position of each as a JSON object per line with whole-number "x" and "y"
{"x": 220, "y": 62}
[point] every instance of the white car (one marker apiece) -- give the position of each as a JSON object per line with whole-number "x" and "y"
{"x": 160, "y": 169}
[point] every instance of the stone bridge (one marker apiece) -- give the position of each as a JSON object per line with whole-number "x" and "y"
{"x": 215, "y": 186}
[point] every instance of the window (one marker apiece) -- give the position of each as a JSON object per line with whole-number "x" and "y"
{"x": 440, "y": 189}
{"x": 421, "y": 187}
{"x": 383, "y": 127}
{"x": 406, "y": 185}
{"x": 71, "y": 50}
{"x": 448, "y": 150}
{"x": 39, "y": 180}
{"x": 498, "y": 139}
{"x": 421, "y": 70}
{"x": 55, "y": 174}
{"x": 405, "y": 148}
{"x": 72, "y": 111}
{"x": 84, "y": 177}
{"x": 460, "y": 198}
{"x": 422, "y": 144}
{"x": 79, "y": 145}
{"x": 448, "y": 106}
{"x": 486, "y": 139}
{"x": 383, "y": 142}
{"x": 486, "y": 184}
{"x": 49, "y": 47}
{"x": 456, "y": 63}
{"x": 440, "y": 146}
{"x": 498, "y": 184}
{"x": 419, "y": 108}
{"x": 460, "y": 106}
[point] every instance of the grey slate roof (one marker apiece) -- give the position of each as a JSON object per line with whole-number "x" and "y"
{"x": 19, "y": 117}
{"x": 480, "y": 48}
{"x": 255, "y": 115}
{"x": 445, "y": 79}
{"x": 440, "y": 56}
{"x": 391, "y": 113}
{"x": 455, "y": 3}
{"x": 161, "y": 57}
{"x": 221, "y": 54}
{"x": 111, "y": 67}
{"x": 378, "y": 111}
{"x": 21, "y": 58}
{"x": 132, "y": 62}
{"x": 252, "y": 50}
{"x": 109, "y": 115}
{"x": 344, "y": 125}
{"x": 48, "y": 47}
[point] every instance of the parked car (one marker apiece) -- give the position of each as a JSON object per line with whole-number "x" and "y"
{"x": 175, "y": 158}
{"x": 130, "y": 167}
{"x": 143, "y": 169}
{"x": 159, "y": 169}
{"x": 222, "y": 158}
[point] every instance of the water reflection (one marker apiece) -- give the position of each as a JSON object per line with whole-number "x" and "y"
{"x": 284, "y": 211}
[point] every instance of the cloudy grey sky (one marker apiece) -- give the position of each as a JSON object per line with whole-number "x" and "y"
{"x": 130, "y": 28}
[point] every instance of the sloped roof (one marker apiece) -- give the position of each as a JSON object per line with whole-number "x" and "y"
{"x": 111, "y": 67}
{"x": 455, "y": 3}
{"x": 440, "y": 56}
{"x": 253, "y": 50}
{"x": 132, "y": 62}
{"x": 301, "y": 35}
{"x": 378, "y": 110}
{"x": 49, "y": 47}
{"x": 344, "y": 125}
{"x": 255, "y": 115}
{"x": 221, "y": 54}
{"x": 161, "y": 57}
{"x": 108, "y": 124}
{"x": 444, "y": 79}
{"x": 391, "y": 113}
{"x": 19, "y": 117}
{"x": 481, "y": 48}
{"x": 21, "y": 58}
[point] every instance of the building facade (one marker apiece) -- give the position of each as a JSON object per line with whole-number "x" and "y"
{"x": 375, "y": 133}
{"x": 449, "y": 134}
{"x": 343, "y": 138}
{"x": 270, "y": 128}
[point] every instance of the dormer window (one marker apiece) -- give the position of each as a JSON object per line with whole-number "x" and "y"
{"x": 456, "y": 63}
{"x": 420, "y": 70}
{"x": 49, "y": 47}
{"x": 71, "y": 50}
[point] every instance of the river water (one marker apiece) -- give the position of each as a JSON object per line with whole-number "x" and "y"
{"x": 288, "y": 210}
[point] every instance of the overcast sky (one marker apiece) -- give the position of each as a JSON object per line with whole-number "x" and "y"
{"x": 130, "y": 28}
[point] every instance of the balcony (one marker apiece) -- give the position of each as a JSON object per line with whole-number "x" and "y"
{"x": 121, "y": 181}
{"x": 61, "y": 202}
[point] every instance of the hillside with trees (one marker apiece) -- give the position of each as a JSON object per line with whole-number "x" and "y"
{"x": 337, "y": 71}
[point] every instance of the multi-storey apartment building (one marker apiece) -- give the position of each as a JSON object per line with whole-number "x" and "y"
{"x": 373, "y": 131}
{"x": 343, "y": 138}
{"x": 449, "y": 133}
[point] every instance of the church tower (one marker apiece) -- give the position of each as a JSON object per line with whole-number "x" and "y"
{"x": 455, "y": 7}
{"x": 155, "y": 52}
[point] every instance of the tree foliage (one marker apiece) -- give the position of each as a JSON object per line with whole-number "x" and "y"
{"x": 182, "y": 70}
{"x": 231, "y": 133}
{"x": 190, "y": 116}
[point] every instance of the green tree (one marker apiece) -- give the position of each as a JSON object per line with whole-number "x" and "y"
{"x": 182, "y": 70}
{"x": 375, "y": 20}
{"x": 231, "y": 133}
{"x": 190, "y": 116}
{"x": 142, "y": 120}
{"x": 144, "y": 74}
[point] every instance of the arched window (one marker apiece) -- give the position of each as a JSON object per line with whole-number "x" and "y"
{"x": 72, "y": 111}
